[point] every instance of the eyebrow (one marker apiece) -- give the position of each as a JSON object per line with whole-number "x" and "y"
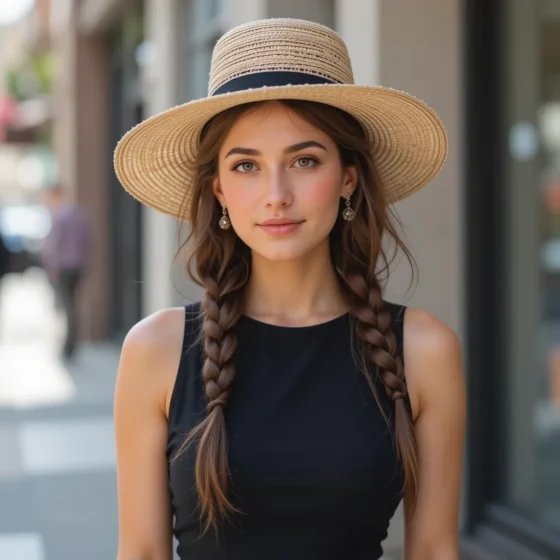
{"x": 288, "y": 150}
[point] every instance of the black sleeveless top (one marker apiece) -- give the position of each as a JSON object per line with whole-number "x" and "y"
{"x": 313, "y": 462}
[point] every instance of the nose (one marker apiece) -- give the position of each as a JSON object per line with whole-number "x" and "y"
{"x": 278, "y": 191}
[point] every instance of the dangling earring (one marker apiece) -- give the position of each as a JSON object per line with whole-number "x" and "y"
{"x": 348, "y": 214}
{"x": 224, "y": 222}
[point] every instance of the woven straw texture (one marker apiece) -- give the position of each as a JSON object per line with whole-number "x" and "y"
{"x": 154, "y": 160}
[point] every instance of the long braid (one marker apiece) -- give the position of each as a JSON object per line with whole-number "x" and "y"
{"x": 373, "y": 327}
{"x": 220, "y": 314}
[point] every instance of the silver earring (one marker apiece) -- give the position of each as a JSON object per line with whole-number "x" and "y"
{"x": 224, "y": 222}
{"x": 348, "y": 214}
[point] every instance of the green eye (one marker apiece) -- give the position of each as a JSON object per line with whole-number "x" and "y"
{"x": 307, "y": 162}
{"x": 245, "y": 167}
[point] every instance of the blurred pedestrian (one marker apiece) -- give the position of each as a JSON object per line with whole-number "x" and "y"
{"x": 66, "y": 255}
{"x": 305, "y": 426}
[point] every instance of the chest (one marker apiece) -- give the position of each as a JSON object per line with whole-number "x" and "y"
{"x": 305, "y": 435}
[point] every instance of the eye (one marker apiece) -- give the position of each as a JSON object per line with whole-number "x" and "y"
{"x": 244, "y": 167}
{"x": 307, "y": 162}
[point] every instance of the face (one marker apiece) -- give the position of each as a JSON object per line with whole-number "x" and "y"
{"x": 281, "y": 180}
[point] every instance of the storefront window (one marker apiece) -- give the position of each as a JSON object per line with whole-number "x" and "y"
{"x": 533, "y": 216}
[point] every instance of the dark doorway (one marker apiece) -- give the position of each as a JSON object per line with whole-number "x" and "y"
{"x": 126, "y": 213}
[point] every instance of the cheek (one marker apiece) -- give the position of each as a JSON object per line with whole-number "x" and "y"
{"x": 239, "y": 198}
{"x": 241, "y": 209}
{"x": 323, "y": 194}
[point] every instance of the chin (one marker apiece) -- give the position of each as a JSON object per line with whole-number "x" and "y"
{"x": 282, "y": 255}
{"x": 278, "y": 253}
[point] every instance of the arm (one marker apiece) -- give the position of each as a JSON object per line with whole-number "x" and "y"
{"x": 434, "y": 371}
{"x": 149, "y": 358}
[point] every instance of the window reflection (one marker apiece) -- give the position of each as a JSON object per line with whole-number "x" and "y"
{"x": 547, "y": 413}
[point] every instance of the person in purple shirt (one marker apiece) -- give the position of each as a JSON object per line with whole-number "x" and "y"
{"x": 66, "y": 254}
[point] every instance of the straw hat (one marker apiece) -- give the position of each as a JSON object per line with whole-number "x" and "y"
{"x": 280, "y": 59}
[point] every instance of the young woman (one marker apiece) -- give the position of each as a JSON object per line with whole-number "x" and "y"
{"x": 287, "y": 414}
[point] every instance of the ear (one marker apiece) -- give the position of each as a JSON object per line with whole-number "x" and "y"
{"x": 349, "y": 180}
{"x": 217, "y": 189}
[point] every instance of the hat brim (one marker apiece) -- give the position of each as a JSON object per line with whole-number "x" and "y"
{"x": 153, "y": 161}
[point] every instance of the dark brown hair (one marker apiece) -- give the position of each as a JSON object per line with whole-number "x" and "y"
{"x": 220, "y": 262}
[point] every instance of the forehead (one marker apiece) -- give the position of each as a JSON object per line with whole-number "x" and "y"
{"x": 270, "y": 124}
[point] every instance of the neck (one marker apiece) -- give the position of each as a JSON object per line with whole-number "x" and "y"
{"x": 298, "y": 292}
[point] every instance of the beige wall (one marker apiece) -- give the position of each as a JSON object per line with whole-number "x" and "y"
{"x": 421, "y": 54}
{"x": 358, "y": 22}
{"x": 242, "y": 11}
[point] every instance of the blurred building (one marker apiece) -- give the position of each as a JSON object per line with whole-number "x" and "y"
{"x": 485, "y": 233}
{"x": 26, "y": 159}
{"x": 97, "y": 97}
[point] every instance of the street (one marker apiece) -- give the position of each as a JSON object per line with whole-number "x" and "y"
{"x": 57, "y": 477}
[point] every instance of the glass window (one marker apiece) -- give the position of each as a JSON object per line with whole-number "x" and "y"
{"x": 533, "y": 326}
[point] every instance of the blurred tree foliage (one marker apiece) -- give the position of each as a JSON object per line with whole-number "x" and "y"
{"x": 32, "y": 78}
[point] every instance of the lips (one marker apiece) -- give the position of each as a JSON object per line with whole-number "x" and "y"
{"x": 279, "y": 222}
{"x": 280, "y": 226}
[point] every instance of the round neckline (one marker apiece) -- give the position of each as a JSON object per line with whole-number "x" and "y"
{"x": 295, "y": 328}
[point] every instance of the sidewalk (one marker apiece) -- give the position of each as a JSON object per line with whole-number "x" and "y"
{"x": 57, "y": 479}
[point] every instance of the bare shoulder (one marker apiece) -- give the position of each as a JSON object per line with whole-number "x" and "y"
{"x": 150, "y": 354}
{"x": 426, "y": 332}
{"x": 156, "y": 333}
{"x": 433, "y": 359}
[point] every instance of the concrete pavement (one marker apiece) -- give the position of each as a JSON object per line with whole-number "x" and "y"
{"x": 57, "y": 467}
